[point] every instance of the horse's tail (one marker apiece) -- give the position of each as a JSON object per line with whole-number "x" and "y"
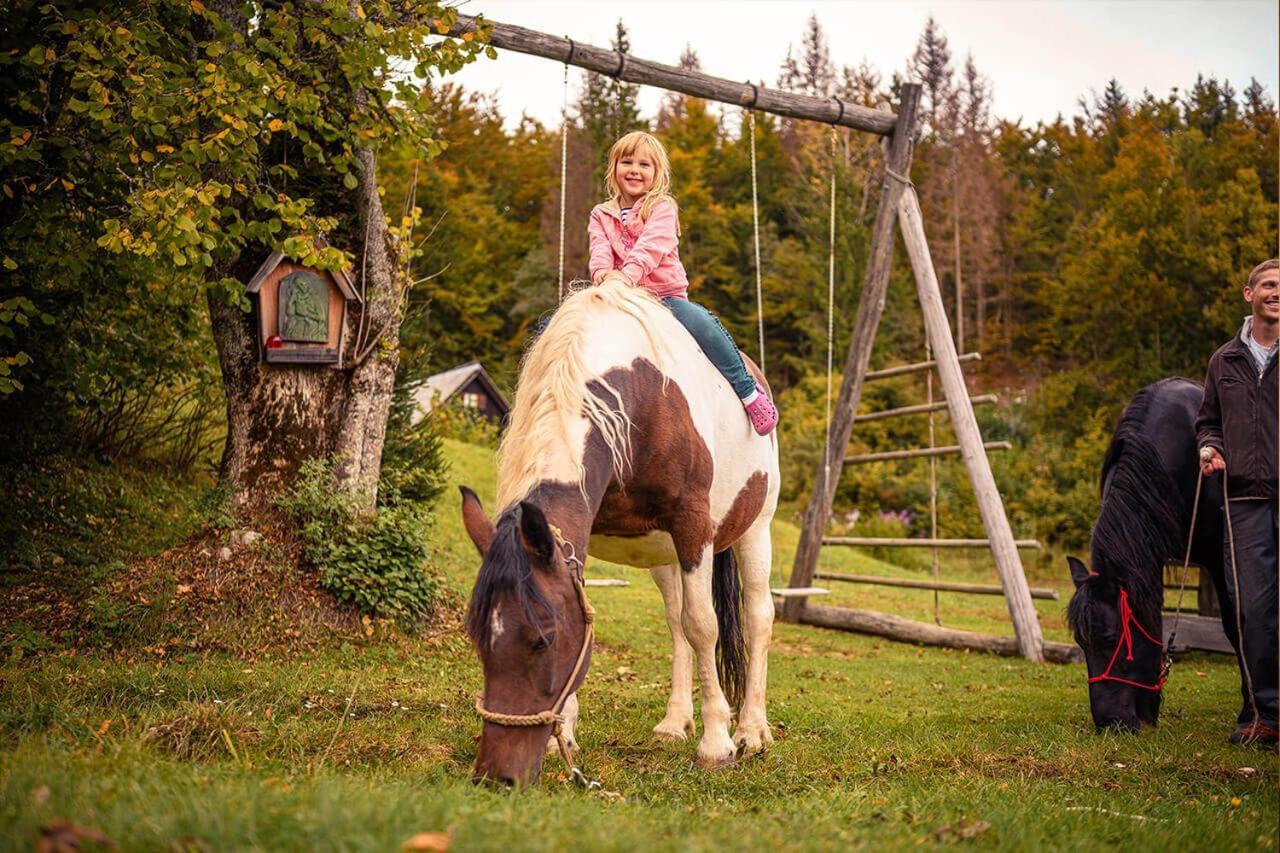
{"x": 731, "y": 648}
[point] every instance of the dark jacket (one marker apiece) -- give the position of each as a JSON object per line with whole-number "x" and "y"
{"x": 1238, "y": 417}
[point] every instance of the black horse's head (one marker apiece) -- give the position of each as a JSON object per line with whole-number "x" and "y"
{"x": 1121, "y": 649}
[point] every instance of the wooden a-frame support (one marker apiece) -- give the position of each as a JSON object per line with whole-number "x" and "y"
{"x": 898, "y": 206}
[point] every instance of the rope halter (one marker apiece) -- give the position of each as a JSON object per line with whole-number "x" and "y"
{"x": 554, "y": 716}
{"x": 1125, "y": 642}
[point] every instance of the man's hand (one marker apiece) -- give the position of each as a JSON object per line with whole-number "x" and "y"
{"x": 1211, "y": 460}
{"x": 599, "y": 276}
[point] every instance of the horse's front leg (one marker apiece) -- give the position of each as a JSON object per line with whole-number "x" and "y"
{"x": 568, "y": 728}
{"x": 755, "y": 555}
{"x": 698, "y": 618}
{"x": 678, "y": 722}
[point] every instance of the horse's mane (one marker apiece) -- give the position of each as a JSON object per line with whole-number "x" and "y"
{"x": 513, "y": 573}
{"x": 552, "y": 393}
{"x": 1140, "y": 524}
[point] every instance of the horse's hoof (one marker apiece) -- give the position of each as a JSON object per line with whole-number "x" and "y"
{"x": 720, "y": 755}
{"x": 752, "y": 739}
{"x": 554, "y": 749}
{"x": 674, "y": 730}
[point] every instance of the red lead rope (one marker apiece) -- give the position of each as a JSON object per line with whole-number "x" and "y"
{"x": 1126, "y": 642}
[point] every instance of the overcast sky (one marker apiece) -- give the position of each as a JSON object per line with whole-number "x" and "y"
{"x": 1040, "y": 55}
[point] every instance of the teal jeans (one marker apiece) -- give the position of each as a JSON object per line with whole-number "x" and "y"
{"x": 715, "y": 342}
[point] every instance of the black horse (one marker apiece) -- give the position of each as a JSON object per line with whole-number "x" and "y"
{"x": 1148, "y": 487}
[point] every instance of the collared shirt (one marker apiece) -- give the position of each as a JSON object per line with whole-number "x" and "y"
{"x": 1261, "y": 355}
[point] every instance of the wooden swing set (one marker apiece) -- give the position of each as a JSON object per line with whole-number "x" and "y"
{"x": 898, "y": 207}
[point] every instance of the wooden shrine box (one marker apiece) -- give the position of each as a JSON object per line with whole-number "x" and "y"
{"x": 300, "y": 312}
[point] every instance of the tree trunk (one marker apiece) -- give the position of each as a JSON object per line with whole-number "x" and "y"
{"x": 279, "y": 416}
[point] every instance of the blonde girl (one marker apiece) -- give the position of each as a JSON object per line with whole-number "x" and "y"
{"x": 637, "y": 233}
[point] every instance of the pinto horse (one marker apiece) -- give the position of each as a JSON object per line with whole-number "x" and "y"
{"x": 624, "y": 441}
{"x": 1148, "y": 488}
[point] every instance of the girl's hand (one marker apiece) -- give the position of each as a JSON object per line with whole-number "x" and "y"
{"x": 599, "y": 276}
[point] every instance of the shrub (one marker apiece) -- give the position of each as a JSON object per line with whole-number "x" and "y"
{"x": 453, "y": 420}
{"x": 377, "y": 562}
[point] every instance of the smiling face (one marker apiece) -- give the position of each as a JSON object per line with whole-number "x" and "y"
{"x": 1263, "y": 295}
{"x": 635, "y": 174}
{"x": 638, "y": 170}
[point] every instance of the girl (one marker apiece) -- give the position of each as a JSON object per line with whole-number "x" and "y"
{"x": 637, "y": 233}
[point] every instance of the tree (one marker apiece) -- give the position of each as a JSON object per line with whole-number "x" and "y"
{"x": 206, "y": 136}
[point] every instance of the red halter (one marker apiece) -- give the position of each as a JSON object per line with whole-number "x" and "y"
{"x": 1126, "y": 642}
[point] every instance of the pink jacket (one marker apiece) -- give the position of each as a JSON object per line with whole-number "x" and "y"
{"x": 648, "y": 253}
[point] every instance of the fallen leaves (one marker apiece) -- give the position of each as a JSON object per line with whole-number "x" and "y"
{"x": 63, "y": 836}
{"x": 964, "y": 829}
{"x": 427, "y": 841}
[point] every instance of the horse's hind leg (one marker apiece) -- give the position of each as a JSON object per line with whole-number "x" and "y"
{"x": 755, "y": 556}
{"x": 678, "y": 722}
{"x": 698, "y": 617}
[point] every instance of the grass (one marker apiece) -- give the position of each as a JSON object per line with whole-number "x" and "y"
{"x": 365, "y": 740}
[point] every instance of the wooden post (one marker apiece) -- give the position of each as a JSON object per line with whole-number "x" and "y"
{"x": 1009, "y": 566}
{"x": 870, "y": 307}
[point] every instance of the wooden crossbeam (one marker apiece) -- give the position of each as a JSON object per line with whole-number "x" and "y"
{"x": 902, "y": 542}
{"x": 910, "y": 631}
{"x": 864, "y": 458}
{"x": 922, "y": 408}
{"x": 899, "y": 370}
{"x": 800, "y": 591}
{"x": 632, "y": 70}
{"x": 942, "y": 586}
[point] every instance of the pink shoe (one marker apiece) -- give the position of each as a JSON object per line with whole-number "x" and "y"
{"x": 762, "y": 413}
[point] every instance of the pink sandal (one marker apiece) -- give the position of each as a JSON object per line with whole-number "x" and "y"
{"x": 762, "y": 413}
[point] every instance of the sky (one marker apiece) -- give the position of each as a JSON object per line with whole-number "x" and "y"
{"x": 1041, "y": 56}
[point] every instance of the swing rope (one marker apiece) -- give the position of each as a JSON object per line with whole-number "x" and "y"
{"x": 755, "y": 227}
{"x": 831, "y": 301}
{"x": 564, "y": 170}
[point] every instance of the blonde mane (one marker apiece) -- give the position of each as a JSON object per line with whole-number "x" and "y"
{"x": 552, "y": 392}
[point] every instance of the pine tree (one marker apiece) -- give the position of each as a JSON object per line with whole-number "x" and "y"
{"x": 672, "y": 107}
{"x": 930, "y": 65}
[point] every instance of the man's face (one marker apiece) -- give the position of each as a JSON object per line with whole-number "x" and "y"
{"x": 1264, "y": 296}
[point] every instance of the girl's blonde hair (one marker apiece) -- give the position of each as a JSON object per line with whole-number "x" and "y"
{"x": 639, "y": 140}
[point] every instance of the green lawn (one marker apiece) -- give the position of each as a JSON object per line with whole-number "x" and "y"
{"x": 359, "y": 742}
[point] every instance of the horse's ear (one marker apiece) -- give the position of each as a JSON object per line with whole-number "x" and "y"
{"x": 1079, "y": 571}
{"x": 478, "y": 525}
{"x": 535, "y": 533}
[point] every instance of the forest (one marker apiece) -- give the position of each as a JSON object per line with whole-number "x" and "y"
{"x": 1082, "y": 258}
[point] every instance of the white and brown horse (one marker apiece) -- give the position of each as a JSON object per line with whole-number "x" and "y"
{"x": 627, "y": 442}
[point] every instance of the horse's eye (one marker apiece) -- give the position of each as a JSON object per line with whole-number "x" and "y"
{"x": 543, "y": 642}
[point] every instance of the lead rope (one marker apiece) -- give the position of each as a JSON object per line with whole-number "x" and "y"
{"x": 755, "y": 226}
{"x": 1235, "y": 579}
{"x": 1166, "y": 663}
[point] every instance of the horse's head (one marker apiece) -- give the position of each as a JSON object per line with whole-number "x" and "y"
{"x": 1123, "y": 658}
{"x": 528, "y": 625}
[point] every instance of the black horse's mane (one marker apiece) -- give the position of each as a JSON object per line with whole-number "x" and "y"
{"x": 508, "y": 567}
{"x": 1140, "y": 525}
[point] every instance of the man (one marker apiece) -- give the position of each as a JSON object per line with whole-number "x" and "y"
{"x": 1237, "y": 433}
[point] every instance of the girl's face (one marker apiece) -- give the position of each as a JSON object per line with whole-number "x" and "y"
{"x": 635, "y": 175}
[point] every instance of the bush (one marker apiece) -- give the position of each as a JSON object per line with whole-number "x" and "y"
{"x": 377, "y": 562}
{"x": 453, "y": 420}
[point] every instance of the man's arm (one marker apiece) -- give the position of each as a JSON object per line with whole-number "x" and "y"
{"x": 1209, "y": 424}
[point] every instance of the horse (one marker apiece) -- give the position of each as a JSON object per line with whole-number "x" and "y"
{"x": 1148, "y": 487}
{"x": 627, "y": 443}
